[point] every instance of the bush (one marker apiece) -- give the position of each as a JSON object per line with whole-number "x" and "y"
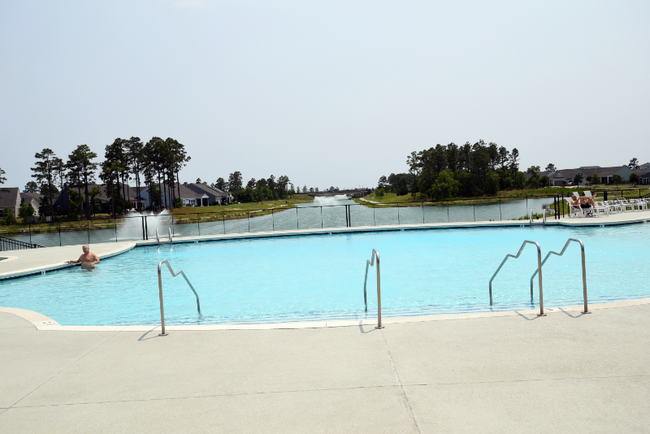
{"x": 25, "y": 212}
{"x": 9, "y": 219}
{"x": 445, "y": 186}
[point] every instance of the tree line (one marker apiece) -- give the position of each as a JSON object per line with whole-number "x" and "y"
{"x": 156, "y": 163}
{"x": 255, "y": 190}
{"x": 444, "y": 172}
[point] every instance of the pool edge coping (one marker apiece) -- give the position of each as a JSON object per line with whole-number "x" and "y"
{"x": 44, "y": 323}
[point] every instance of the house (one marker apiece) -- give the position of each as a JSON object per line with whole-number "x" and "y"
{"x": 565, "y": 176}
{"x": 644, "y": 174}
{"x": 605, "y": 174}
{"x": 9, "y": 201}
{"x": 33, "y": 199}
{"x": 205, "y": 195}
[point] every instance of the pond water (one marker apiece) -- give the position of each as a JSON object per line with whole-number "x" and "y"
{"x": 324, "y": 212}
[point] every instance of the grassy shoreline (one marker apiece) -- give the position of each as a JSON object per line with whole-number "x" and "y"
{"x": 505, "y": 195}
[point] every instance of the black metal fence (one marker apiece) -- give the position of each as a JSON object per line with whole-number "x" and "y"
{"x": 11, "y": 244}
{"x": 306, "y": 216}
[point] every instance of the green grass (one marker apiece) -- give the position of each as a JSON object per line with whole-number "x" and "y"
{"x": 237, "y": 211}
{"x": 37, "y": 228}
{"x": 613, "y": 191}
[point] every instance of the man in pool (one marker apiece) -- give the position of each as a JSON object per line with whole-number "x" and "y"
{"x": 88, "y": 260}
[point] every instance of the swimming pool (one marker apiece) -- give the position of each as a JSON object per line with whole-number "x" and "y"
{"x": 316, "y": 277}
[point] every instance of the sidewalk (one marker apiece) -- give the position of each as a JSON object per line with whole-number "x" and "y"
{"x": 566, "y": 372}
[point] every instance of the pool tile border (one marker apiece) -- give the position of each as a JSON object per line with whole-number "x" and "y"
{"x": 44, "y": 323}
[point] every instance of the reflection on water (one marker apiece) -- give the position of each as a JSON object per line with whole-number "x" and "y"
{"x": 324, "y": 212}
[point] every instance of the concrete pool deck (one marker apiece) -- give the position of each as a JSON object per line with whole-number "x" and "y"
{"x": 506, "y": 372}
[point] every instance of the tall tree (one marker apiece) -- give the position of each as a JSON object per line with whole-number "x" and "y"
{"x": 479, "y": 165}
{"x": 114, "y": 168}
{"x": 234, "y": 182}
{"x": 634, "y": 164}
{"x": 414, "y": 164}
{"x": 514, "y": 161}
{"x": 452, "y": 157}
{"x": 75, "y": 181}
{"x": 493, "y": 150}
{"x": 2, "y": 178}
{"x": 550, "y": 167}
{"x": 59, "y": 173}
{"x": 282, "y": 186}
{"x": 155, "y": 151}
{"x": 31, "y": 187}
{"x": 136, "y": 160}
{"x": 504, "y": 157}
{"x": 220, "y": 184}
{"x": 43, "y": 172}
{"x": 80, "y": 162}
{"x": 533, "y": 171}
{"x": 179, "y": 159}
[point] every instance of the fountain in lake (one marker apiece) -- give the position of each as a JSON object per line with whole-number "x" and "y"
{"x": 339, "y": 199}
{"x": 134, "y": 224}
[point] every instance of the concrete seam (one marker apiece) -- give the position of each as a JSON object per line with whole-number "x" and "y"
{"x": 534, "y": 380}
{"x": 63, "y": 369}
{"x": 220, "y": 395}
{"x": 416, "y": 428}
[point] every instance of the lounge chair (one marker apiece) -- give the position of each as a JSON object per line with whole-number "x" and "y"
{"x": 575, "y": 210}
{"x": 587, "y": 193}
{"x": 640, "y": 204}
{"x": 614, "y": 206}
{"x": 625, "y": 204}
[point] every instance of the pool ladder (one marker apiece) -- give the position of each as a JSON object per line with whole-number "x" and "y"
{"x": 160, "y": 293}
{"x": 170, "y": 236}
{"x": 538, "y": 272}
{"x": 369, "y": 263}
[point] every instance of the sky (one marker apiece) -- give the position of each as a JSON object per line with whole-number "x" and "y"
{"x": 328, "y": 93}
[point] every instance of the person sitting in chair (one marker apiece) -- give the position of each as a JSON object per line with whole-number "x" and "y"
{"x": 582, "y": 202}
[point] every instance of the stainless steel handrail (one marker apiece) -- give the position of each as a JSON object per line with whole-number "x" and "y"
{"x": 584, "y": 270}
{"x": 539, "y": 269}
{"x": 169, "y": 230}
{"x": 370, "y": 263}
{"x": 160, "y": 293}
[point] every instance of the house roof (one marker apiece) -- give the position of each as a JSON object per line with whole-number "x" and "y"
{"x": 587, "y": 171}
{"x": 187, "y": 193}
{"x": 31, "y": 196}
{"x": 207, "y": 190}
{"x": 9, "y": 196}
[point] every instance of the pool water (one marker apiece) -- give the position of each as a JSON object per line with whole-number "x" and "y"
{"x": 320, "y": 277}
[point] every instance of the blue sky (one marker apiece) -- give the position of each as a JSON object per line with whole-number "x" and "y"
{"x": 329, "y": 93}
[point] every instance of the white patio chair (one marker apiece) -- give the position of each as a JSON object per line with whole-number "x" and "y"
{"x": 574, "y": 210}
{"x": 613, "y": 206}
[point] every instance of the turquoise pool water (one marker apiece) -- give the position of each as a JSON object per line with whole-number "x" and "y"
{"x": 317, "y": 277}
